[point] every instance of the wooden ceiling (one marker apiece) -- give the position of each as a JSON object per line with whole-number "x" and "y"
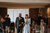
{"x": 25, "y": 5}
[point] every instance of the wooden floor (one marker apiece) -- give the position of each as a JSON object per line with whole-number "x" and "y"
{"x": 34, "y": 31}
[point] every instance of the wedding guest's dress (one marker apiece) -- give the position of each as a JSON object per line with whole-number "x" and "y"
{"x": 27, "y": 26}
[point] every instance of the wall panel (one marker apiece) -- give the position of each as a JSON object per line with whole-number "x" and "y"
{"x": 3, "y": 12}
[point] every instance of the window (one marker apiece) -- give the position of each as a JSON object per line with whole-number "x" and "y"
{"x": 13, "y": 13}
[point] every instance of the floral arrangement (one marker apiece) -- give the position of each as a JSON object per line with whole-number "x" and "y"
{"x": 26, "y": 22}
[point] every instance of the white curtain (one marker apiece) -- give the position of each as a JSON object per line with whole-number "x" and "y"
{"x": 13, "y": 13}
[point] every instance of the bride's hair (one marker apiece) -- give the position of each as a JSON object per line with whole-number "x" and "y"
{"x": 26, "y": 15}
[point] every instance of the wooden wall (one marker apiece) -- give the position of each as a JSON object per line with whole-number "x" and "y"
{"x": 33, "y": 12}
{"x": 43, "y": 11}
{"x": 48, "y": 6}
{"x": 3, "y": 12}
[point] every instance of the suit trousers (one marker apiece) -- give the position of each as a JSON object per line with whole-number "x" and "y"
{"x": 7, "y": 29}
{"x": 19, "y": 30}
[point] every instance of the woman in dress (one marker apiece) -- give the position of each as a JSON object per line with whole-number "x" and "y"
{"x": 27, "y": 24}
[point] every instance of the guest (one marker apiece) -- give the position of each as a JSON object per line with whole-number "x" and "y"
{"x": 49, "y": 24}
{"x": 27, "y": 24}
{"x": 8, "y": 16}
{"x": 1, "y": 30}
{"x": 42, "y": 26}
{"x": 4, "y": 24}
{"x": 7, "y": 23}
{"x": 39, "y": 20}
{"x": 34, "y": 19}
{"x": 46, "y": 21}
{"x": 19, "y": 23}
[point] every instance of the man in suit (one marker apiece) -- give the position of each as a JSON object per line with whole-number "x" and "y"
{"x": 46, "y": 21}
{"x": 19, "y": 23}
{"x": 7, "y": 23}
{"x": 39, "y": 19}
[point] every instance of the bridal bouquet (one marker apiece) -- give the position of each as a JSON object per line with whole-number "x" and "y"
{"x": 26, "y": 22}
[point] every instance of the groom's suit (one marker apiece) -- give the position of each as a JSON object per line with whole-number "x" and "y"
{"x": 18, "y": 22}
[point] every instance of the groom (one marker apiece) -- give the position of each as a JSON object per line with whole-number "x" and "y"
{"x": 19, "y": 23}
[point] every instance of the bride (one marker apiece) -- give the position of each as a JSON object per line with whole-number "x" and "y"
{"x": 27, "y": 24}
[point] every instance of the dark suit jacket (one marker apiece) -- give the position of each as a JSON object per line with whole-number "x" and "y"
{"x": 39, "y": 20}
{"x": 46, "y": 21}
{"x": 7, "y": 21}
{"x": 19, "y": 22}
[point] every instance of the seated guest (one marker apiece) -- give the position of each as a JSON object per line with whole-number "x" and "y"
{"x": 4, "y": 24}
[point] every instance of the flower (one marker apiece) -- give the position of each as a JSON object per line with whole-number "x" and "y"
{"x": 26, "y": 22}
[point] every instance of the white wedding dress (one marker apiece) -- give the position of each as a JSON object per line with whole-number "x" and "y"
{"x": 27, "y": 26}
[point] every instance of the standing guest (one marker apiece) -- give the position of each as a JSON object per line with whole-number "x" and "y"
{"x": 7, "y": 23}
{"x": 46, "y": 21}
{"x": 42, "y": 26}
{"x": 8, "y": 16}
{"x": 39, "y": 20}
{"x": 4, "y": 24}
{"x": 19, "y": 23}
{"x": 1, "y": 26}
{"x": 27, "y": 24}
{"x": 31, "y": 21}
{"x": 49, "y": 24}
